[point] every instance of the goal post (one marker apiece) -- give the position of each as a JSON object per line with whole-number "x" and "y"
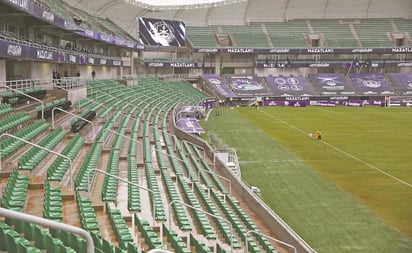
{"x": 398, "y": 101}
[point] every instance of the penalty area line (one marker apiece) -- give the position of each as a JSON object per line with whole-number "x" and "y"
{"x": 341, "y": 151}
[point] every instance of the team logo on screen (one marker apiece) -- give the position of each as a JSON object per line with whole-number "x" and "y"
{"x": 163, "y": 30}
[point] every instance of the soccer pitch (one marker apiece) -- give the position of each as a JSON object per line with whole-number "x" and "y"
{"x": 349, "y": 192}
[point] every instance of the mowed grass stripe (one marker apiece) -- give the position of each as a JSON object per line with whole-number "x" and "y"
{"x": 305, "y": 187}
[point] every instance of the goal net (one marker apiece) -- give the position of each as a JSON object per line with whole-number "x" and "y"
{"x": 398, "y": 101}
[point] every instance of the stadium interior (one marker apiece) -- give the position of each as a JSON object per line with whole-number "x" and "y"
{"x": 101, "y": 102}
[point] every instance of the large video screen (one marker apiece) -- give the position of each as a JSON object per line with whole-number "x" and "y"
{"x": 160, "y": 32}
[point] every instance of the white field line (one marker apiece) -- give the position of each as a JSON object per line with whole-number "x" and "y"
{"x": 326, "y": 110}
{"x": 271, "y": 161}
{"x": 341, "y": 151}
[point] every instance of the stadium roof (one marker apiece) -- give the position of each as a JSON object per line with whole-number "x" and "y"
{"x": 125, "y": 13}
{"x": 181, "y": 4}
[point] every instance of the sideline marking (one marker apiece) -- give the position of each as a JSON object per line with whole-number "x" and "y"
{"x": 325, "y": 110}
{"x": 341, "y": 151}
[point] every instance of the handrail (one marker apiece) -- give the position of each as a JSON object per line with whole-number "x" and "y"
{"x": 60, "y": 109}
{"x": 230, "y": 182}
{"x": 46, "y": 149}
{"x": 200, "y": 147}
{"x": 51, "y": 224}
{"x": 24, "y": 94}
{"x": 201, "y": 210}
{"x": 258, "y": 233}
{"x": 97, "y": 103}
{"x": 191, "y": 143}
{"x": 123, "y": 180}
{"x": 114, "y": 132}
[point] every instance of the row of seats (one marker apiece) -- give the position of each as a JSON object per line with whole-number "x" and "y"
{"x": 11, "y": 241}
{"x": 133, "y": 192}
{"x": 224, "y": 228}
{"x": 203, "y": 222}
{"x": 35, "y": 155}
{"x": 152, "y": 184}
{"x": 119, "y": 226}
{"x": 199, "y": 246}
{"x": 132, "y": 149}
{"x": 237, "y": 225}
{"x": 174, "y": 162}
{"x": 14, "y": 195}
{"x": 196, "y": 164}
{"x": 83, "y": 103}
{"x": 52, "y": 203}
{"x": 176, "y": 241}
{"x": 89, "y": 163}
{"x": 58, "y": 168}
{"x": 267, "y": 246}
{"x": 118, "y": 138}
{"x": 69, "y": 239}
{"x": 14, "y": 120}
{"x": 110, "y": 184}
{"x": 43, "y": 239}
{"x": 78, "y": 124}
{"x": 102, "y": 245}
{"x": 62, "y": 103}
{"x": 5, "y": 108}
{"x": 188, "y": 169}
{"x": 151, "y": 177}
{"x": 181, "y": 216}
{"x": 150, "y": 237}
{"x": 206, "y": 167}
{"x": 10, "y": 97}
{"x": 10, "y": 145}
{"x": 88, "y": 219}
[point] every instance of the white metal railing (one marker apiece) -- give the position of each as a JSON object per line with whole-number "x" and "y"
{"x": 31, "y": 97}
{"x": 45, "y": 149}
{"x": 202, "y": 211}
{"x": 74, "y": 115}
{"x": 219, "y": 176}
{"x": 49, "y": 223}
{"x": 89, "y": 185}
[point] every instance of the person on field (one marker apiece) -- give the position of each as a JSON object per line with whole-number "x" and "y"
{"x": 318, "y": 135}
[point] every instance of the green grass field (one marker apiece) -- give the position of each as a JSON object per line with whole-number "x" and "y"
{"x": 350, "y": 192}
